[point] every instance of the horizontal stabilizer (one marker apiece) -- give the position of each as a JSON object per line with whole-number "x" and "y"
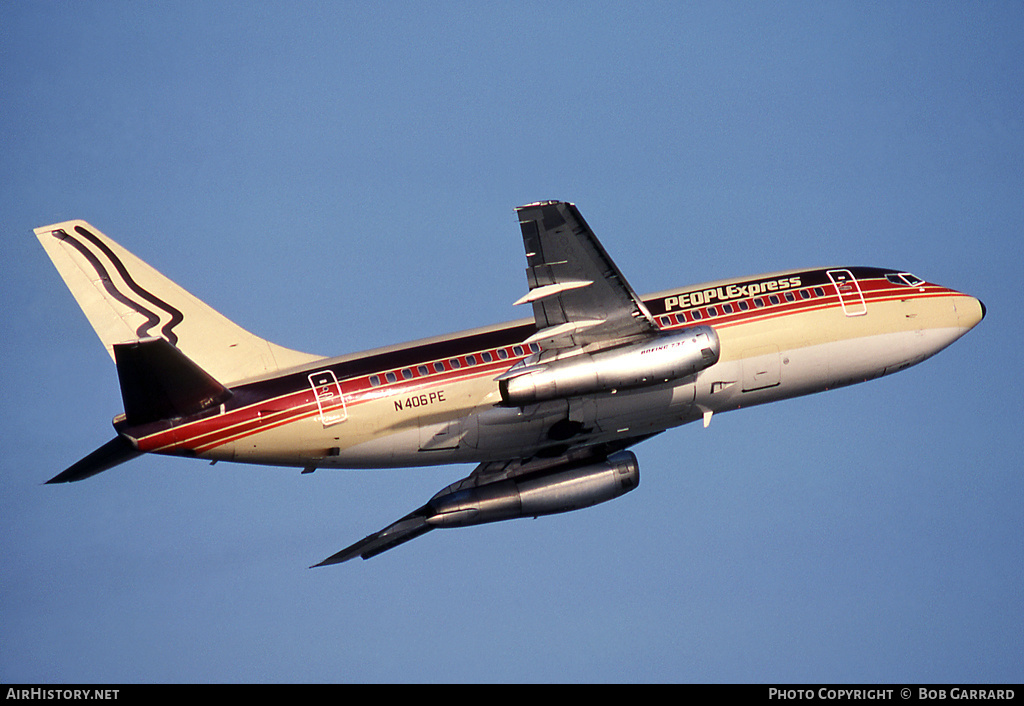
{"x": 111, "y": 454}
{"x": 159, "y": 382}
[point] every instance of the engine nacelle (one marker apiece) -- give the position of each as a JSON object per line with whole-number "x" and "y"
{"x": 545, "y": 493}
{"x": 652, "y": 362}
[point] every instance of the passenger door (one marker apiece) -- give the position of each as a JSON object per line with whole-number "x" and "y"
{"x": 329, "y": 400}
{"x": 848, "y": 289}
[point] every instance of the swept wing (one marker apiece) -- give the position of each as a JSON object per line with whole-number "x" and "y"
{"x": 580, "y": 300}
{"x": 579, "y": 296}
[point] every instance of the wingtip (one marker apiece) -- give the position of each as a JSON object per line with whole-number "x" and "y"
{"x": 537, "y": 204}
{"x": 344, "y": 555}
{"x": 409, "y": 527}
{"x": 330, "y": 561}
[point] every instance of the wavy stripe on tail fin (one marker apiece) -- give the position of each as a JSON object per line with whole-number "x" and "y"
{"x": 126, "y": 300}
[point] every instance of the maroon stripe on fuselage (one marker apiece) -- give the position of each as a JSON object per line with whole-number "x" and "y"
{"x": 270, "y": 403}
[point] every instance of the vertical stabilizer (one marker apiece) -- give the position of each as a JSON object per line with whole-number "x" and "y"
{"x": 126, "y": 300}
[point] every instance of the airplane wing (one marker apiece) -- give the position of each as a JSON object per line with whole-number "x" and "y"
{"x": 409, "y": 527}
{"x": 502, "y": 490}
{"x": 417, "y": 522}
{"x": 579, "y": 296}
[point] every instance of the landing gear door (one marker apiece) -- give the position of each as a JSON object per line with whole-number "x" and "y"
{"x": 329, "y": 399}
{"x": 848, "y": 289}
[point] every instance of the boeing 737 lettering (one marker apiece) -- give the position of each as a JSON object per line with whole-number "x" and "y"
{"x": 547, "y": 407}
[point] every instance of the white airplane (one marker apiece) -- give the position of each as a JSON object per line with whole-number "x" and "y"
{"x": 546, "y": 406}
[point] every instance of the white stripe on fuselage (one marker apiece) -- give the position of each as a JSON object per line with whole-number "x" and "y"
{"x": 767, "y": 356}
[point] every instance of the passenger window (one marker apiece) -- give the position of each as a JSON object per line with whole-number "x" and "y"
{"x": 502, "y": 353}
{"x": 438, "y": 367}
{"x": 423, "y": 370}
{"x": 407, "y": 374}
{"x": 517, "y": 351}
{"x": 391, "y": 377}
{"x": 454, "y": 363}
{"x": 487, "y": 357}
{"x": 470, "y": 360}
{"x": 374, "y": 380}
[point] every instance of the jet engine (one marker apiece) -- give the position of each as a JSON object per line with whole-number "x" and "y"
{"x": 531, "y": 495}
{"x": 652, "y": 362}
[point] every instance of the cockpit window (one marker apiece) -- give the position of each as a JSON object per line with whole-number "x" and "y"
{"x": 904, "y": 279}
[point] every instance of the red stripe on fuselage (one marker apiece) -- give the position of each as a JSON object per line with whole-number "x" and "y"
{"x": 205, "y": 434}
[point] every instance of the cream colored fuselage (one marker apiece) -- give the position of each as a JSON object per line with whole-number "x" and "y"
{"x": 437, "y": 402}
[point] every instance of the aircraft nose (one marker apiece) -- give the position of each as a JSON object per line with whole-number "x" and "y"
{"x": 970, "y": 313}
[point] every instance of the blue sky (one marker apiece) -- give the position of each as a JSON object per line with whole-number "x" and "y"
{"x": 337, "y": 176}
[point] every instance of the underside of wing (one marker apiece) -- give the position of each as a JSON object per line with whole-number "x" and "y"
{"x": 579, "y": 296}
{"x": 409, "y": 527}
{"x": 505, "y": 490}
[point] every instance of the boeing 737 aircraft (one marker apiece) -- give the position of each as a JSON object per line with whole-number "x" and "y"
{"x": 546, "y": 406}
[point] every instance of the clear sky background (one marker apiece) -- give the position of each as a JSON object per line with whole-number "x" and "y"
{"x": 337, "y": 176}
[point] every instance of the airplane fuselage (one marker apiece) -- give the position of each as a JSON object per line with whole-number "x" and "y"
{"x": 437, "y": 401}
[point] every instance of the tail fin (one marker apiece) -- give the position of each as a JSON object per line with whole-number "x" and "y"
{"x": 126, "y": 300}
